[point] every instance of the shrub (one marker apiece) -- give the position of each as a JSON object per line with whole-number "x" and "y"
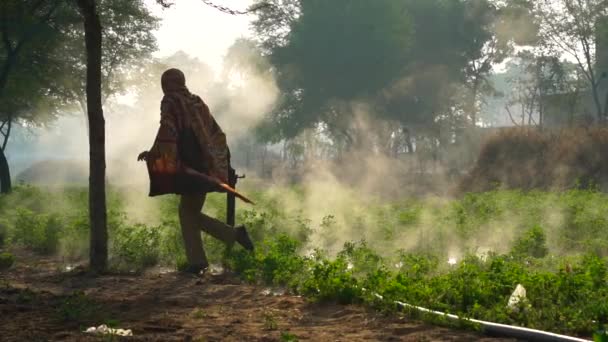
{"x": 40, "y": 232}
{"x": 566, "y": 289}
{"x": 527, "y": 158}
{"x": 136, "y": 246}
{"x": 77, "y": 307}
{"x": 531, "y": 244}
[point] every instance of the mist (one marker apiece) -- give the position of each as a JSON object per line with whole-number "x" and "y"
{"x": 433, "y": 154}
{"x": 340, "y": 179}
{"x": 58, "y": 153}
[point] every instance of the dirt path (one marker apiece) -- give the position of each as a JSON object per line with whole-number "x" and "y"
{"x": 39, "y": 301}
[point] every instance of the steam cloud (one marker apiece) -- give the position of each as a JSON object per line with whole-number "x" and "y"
{"x": 347, "y": 190}
{"x": 58, "y": 154}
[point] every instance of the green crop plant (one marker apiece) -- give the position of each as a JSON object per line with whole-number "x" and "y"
{"x": 77, "y": 307}
{"x": 553, "y": 243}
{"x": 270, "y": 321}
{"x": 199, "y": 314}
{"x": 288, "y": 337}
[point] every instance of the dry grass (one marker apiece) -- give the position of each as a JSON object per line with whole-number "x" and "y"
{"x": 527, "y": 158}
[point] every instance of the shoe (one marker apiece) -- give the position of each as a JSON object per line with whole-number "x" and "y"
{"x": 196, "y": 269}
{"x": 242, "y": 237}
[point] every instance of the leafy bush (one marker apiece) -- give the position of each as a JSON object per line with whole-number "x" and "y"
{"x": 40, "y": 232}
{"x": 136, "y": 246}
{"x": 77, "y": 307}
{"x": 331, "y": 281}
{"x": 553, "y": 243}
{"x": 288, "y": 337}
{"x": 276, "y": 261}
{"x": 532, "y": 243}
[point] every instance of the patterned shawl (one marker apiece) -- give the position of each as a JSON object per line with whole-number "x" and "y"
{"x": 188, "y": 136}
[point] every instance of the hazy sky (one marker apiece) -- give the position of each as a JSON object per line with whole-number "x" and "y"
{"x": 200, "y": 30}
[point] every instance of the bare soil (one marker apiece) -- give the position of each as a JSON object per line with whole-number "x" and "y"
{"x": 41, "y": 301}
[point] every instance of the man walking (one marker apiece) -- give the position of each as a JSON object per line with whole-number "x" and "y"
{"x": 190, "y": 157}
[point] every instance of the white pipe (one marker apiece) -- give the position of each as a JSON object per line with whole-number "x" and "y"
{"x": 500, "y": 329}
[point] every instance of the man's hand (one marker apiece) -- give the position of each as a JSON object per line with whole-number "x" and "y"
{"x": 143, "y": 156}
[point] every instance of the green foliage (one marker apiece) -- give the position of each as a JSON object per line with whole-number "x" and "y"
{"x": 375, "y": 35}
{"x": 600, "y": 336}
{"x": 404, "y": 56}
{"x": 555, "y": 253}
{"x": 416, "y": 266}
{"x": 331, "y": 281}
{"x": 6, "y": 260}
{"x": 361, "y": 258}
{"x": 48, "y": 71}
{"x": 112, "y": 323}
{"x": 532, "y": 243}
{"x": 40, "y": 232}
{"x": 136, "y": 246}
{"x": 77, "y": 307}
{"x": 276, "y": 261}
{"x": 199, "y": 314}
{"x": 29, "y": 70}
{"x": 270, "y": 321}
{"x": 288, "y": 337}
{"x": 280, "y": 260}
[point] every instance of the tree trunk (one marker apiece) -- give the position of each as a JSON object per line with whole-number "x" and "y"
{"x": 474, "y": 102}
{"x": 596, "y": 101}
{"x": 98, "y": 253}
{"x": 264, "y": 160}
{"x": 5, "y": 174}
{"x": 541, "y": 110}
{"x": 605, "y": 104}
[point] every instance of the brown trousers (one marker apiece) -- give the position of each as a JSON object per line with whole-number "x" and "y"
{"x": 192, "y": 221}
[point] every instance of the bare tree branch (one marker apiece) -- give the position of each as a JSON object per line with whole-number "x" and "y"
{"x": 221, "y": 8}
{"x": 235, "y": 12}
{"x": 511, "y": 115}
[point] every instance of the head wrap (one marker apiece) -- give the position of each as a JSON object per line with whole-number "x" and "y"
{"x": 173, "y": 80}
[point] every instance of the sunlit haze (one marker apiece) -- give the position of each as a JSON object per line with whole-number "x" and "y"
{"x": 199, "y": 30}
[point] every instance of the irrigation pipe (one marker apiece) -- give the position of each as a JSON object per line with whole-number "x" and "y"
{"x": 499, "y": 329}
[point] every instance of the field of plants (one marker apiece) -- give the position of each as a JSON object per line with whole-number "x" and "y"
{"x": 463, "y": 256}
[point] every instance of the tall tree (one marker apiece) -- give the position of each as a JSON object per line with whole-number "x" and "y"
{"x": 97, "y": 165}
{"x": 333, "y": 53}
{"x": 571, "y": 27}
{"x": 44, "y": 58}
{"x": 535, "y": 81}
{"x": 498, "y": 26}
{"x": 403, "y": 58}
{"x": 27, "y": 34}
{"x": 128, "y": 42}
